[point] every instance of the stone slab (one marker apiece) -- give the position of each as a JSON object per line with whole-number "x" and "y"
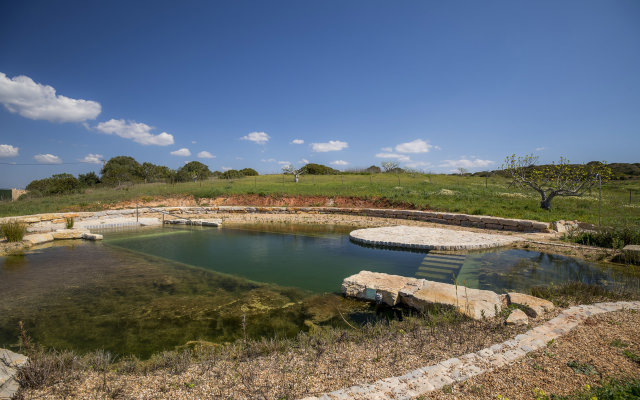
{"x": 430, "y": 238}
{"x": 9, "y": 364}
{"x": 37, "y": 238}
{"x": 537, "y": 305}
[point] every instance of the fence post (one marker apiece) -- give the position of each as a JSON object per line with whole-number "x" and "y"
{"x": 599, "y": 197}
{"x": 486, "y": 181}
{"x": 136, "y": 212}
{"x": 398, "y": 179}
{"x": 370, "y": 180}
{"x": 341, "y": 179}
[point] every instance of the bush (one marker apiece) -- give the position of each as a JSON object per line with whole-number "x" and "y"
{"x": 318, "y": 169}
{"x": 613, "y": 238}
{"x": 231, "y": 174}
{"x": 69, "y": 223}
{"x": 56, "y": 184}
{"x": 13, "y": 230}
{"x": 249, "y": 172}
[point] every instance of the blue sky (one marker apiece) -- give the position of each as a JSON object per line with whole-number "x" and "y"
{"x": 434, "y": 85}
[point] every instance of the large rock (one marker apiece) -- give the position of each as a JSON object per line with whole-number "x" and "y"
{"x": 91, "y": 236}
{"x": 38, "y": 238}
{"x": 421, "y": 294}
{"x": 69, "y": 233}
{"x": 537, "y": 305}
{"x": 366, "y": 285}
{"x": 518, "y": 318}
{"x": 9, "y": 364}
{"x": 474, "y": 303}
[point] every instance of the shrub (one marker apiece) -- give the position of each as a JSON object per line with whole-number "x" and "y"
{"x": 231, "y": 174}
{"x": 318, "y": 169}
{"x": 13, "y": 230}
{"x": 249, "y": 172}
{"x": 613, "y": 238}
{"x": 69, "y": 222}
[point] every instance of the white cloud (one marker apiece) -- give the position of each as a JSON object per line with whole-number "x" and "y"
{"x": 93, "y": 158}
{"x": 47, "y": 159}
{"x": 304, "y": 161}
{"x": 399, "y": 157}
{"x": 466, "y": 163}
{"x": 183, "y": 152}
{"x": 257, "y": 137}
{"x": 297, "y": 141}
{"x": 268, "y": 160}
{"x": 437, "y": 147}
{"x": 136, "y": 131}
{"x": 539, "y": 148}
{"x": 387, "y": 149}
{"x": 284, "y": 162}
{"x": 7, "y": 150}
{"x": 36, "y": 101}
{"x": 417, "y": 146}
{"x": 332, "y": 145}
{"x": 419, "y": 164}
{"x": 204, "y": 154}
{"x": 339, "y": 162}
{"x": 226, "y": 168}
{"x": 193, "y": 142}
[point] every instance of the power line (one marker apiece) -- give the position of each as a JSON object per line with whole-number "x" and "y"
{"x": 64, "y": 163}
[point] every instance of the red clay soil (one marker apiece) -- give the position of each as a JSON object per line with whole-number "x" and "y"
{"x": 264, "y": 201}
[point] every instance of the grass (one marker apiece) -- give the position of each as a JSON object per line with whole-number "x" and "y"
{"x": 467, "y": 194}
{"x": 610, "y": 390}
{"x": 13, "y": 231}
{"x": 575, "y": 293}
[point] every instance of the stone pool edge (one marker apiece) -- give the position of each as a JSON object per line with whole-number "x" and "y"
{"x": 458, "y": 369}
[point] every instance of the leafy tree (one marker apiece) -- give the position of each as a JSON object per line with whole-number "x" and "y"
{"x": 194, "y": 170}
{"x": 249, "y": 172}
{"x": 231, "y": 174}
{"x": 122, "y": 169}
{"x": 56, "y": 184}
{"x": 317, "y": 169}
{"x": 556, "y": 179}
{"x": 89, "y": 179}
{"x": 373, "y": 169}
{"x": 154, "y": 173}
{"x": 291, "y": 170}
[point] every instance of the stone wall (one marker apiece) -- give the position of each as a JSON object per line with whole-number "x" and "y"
{"x": 44, "y": 222}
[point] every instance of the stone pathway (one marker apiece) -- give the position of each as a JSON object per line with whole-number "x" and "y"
{"x": 9, "y": 362}
{"x": 456, "y": 370}
{"x": 415, "y": 237}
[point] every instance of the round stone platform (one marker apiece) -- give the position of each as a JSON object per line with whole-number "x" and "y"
{"x": 414, "y": 237}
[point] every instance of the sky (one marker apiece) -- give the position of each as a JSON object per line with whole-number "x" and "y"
{"x": 432, "y": 85}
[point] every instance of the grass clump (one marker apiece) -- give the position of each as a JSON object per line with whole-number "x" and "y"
{"x": 611, "y": 237}
{"x": 69, "y": 222}
{"x": 610, "y": 390}
{"x": 13, "y": 230}
{"x": 574, "y": 293}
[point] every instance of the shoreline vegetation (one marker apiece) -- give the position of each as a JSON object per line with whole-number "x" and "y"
{"x": 329, "y": 357}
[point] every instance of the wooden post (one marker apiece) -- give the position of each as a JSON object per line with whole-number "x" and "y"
{"x": 599, "y": 197}
{"x": 136, "y": 212}
{"x": 398, "y": 179}
{"x": 255, "y": 182}
{"x": 370, "y": 180}
{"x": 486, "y": 181}
{"x": 341, "y": 180}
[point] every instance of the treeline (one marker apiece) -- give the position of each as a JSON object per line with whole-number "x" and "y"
{"x": 123, "y": 170}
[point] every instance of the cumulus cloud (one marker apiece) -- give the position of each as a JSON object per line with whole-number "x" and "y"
{"x": 416, "y": 146}
{"x": 47, "y": 159}
{"x": 257, "y": 137}
{"x": 204, "y": 154}
{"x": 32, "y": 100}
{"x": 226, "y": 168}
{"x": 183, "y": 152}
{"x": 399, "y": 157}
{"x": 331, "y": 145}
{"x": 7, "y": 150}
{"x": 339, "y": 162}
{"x": 466, "y": 163}
{"x": 136, "y": 131}
{"x": 419, "y": 164}
{"x": 297, "y": 141}
{"x": 284, "y": 162}
{"x": 304, "y": 161}
{"x": 93, "y": 158}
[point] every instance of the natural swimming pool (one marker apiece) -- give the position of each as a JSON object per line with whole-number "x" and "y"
{"x": 141, "y": 291}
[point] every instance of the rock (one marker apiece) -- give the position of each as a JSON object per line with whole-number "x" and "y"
{"x": 366, "y": 285}
{"x": 474, "y": 303}
{"x": 91, "y": 236}
{"x": 38, "y": 238}
{"x": 518, "y": 318}
{"x": 69, "y": 233}
{"x": 9, "y": 364}
{"x": 537, "y": 305}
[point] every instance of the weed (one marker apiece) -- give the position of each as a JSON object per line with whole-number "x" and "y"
{"x": 618, "y": 343}
{"x": 582, "y": 368}
{"x": 13, "y": 230}
{"x": 631, "y": 356}
{"x": 69, "y": 222}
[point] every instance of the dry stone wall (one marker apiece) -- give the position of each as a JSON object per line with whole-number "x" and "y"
{"x": 52, "y": 221}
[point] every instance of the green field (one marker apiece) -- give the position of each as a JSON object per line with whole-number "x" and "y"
{"x": 464, "y": 194}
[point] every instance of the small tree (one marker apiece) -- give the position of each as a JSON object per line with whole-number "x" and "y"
{"x": 291, "y": 170}
{"x": 555, "y": 179}
{"x": 389, "y": 166}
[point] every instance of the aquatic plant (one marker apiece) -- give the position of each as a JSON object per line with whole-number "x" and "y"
{"x": 13, "y": 230}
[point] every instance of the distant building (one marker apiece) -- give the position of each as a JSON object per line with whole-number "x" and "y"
{"x": 11, "y": 194}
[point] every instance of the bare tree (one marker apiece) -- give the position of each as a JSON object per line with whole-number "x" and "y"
{"x": 291, "y": 170}
{"x": 555, "y": 179}
{"x": 388, "y": 166}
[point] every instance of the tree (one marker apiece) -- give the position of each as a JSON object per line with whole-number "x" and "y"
{"x": 88, "y": 179}
{"x": 154, "y": 173}
{"x": 555, "y": 179}
{"x": 121, "y": 169}
{"x": 462, "y": 171}
{"x": 373, "y": 170}
{"x": 193, "y": 170}
{"x": 318, "y": 169}
{"x": 291, "y": 170}
{"x": 231, "y": 174}
{"x": 249, "y": 172}
{"x": 56, "y": 184}
{"x": 390, "y": 166}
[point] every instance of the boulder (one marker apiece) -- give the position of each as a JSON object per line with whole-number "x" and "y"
{"x": 91, "y": 236}
{"x": 518, "y": 318}
{"x": 474, "y": 303}
{"x": 38, "y": 238}
{"x": 366, "y": 285}
{"x": 537, "y": 305}
{"x": 69, "y": 233}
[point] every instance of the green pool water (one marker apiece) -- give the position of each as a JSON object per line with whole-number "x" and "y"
{"x": 141, "y": 291}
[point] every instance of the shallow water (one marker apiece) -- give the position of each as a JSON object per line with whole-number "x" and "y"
{"x": 141, "y": 291}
